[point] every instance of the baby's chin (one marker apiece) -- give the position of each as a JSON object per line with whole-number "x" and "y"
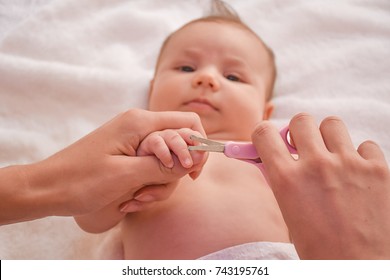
{"x": 228, "y": 136}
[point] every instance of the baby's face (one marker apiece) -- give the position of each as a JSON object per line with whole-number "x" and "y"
{"x": 219, "y": 71}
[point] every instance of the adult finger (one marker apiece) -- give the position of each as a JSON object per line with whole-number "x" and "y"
{"x": 134, "y": 125}
{"x": 370, "y": 150}
{"x": 166, "y": 120}
{"x": 306, "y": 135}
{"x": 146, "y": 197}
{"x": 269, "y": 145}
{"x": 134, "y": 205}
{"x": 154, "y": 193}
{"x": 335, "y": 135}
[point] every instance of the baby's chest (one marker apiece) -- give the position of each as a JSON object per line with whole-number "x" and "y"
{"x": 221, "y": 169}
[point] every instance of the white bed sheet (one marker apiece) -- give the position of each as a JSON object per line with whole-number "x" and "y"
{"x": 68, "y": 66}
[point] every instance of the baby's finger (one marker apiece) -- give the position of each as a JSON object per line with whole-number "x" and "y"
{"x": 199, "y": 159}
{"x": 162, "y": 152}
{"x": 186, "y": 134}
{"x": 179, "y": 147}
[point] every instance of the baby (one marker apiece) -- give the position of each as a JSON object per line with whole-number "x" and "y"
{"x": 218, "y": 68}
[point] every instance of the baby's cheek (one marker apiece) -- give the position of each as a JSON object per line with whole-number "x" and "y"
{"x": 162, "y": 102}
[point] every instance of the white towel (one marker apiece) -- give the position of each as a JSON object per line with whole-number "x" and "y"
{"x": 68, "y": 66}
{"x": 256, "y": 251}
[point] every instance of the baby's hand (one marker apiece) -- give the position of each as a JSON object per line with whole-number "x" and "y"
{"x": 163, "y": 143}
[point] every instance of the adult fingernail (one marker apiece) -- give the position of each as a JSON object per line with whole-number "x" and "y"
{"x": 131, "y": 206}
{"x": 144, "y": 197}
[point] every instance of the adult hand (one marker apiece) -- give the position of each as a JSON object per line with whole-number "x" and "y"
{"x": 170, "y": 147}
{"x": 335, "y": 199}
{"x": 96, "y": 170}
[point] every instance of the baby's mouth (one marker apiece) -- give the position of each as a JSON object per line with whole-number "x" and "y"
{"x": 200, "y": 104}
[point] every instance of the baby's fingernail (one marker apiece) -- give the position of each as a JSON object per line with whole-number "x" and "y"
{"x": 187, "y": 162}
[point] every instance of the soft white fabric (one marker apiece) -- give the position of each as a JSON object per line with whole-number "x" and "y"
{"x": 255, "y": 251}
{"x": 68, "y": 66}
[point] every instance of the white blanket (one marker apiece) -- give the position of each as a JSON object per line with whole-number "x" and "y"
{"x": 68, "y": 66}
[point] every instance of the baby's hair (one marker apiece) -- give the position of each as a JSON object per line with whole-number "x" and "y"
{"x": 220, "y": 9}
{"x": 223, "y": 13}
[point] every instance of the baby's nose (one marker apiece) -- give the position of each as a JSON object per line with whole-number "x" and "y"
{"x": 206, "y": 79}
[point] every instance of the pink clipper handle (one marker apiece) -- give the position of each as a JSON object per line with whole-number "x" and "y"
{"x": 247, "y": 151}
{"x": 240, "y": 150}
{"x": 285, "y": 133}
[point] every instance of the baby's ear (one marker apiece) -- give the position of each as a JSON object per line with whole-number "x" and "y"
{"x": 268, "y": 110}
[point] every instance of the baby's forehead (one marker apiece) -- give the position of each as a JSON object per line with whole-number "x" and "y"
{"x": 224, "y": 25}
{"x": 218, "y": 26}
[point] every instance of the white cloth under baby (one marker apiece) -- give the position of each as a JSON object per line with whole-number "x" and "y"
{"x": 256, "y": 251}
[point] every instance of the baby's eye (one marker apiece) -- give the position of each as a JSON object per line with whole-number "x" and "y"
{"x": 186, "y": 69}
{"x": 233, "y": 78}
